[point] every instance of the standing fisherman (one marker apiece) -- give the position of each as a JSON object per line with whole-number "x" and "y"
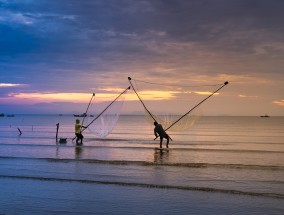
{"x": 78, "y": 132}
{"x": 159, "y": 131}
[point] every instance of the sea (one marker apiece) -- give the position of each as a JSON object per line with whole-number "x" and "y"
{"x": 221, "y": 165}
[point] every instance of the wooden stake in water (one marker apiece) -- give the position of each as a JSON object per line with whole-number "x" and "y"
{"x": 57, "y": 127}
{"x": 20, "y": 132}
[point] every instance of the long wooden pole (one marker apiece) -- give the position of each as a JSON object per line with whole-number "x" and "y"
{"x": 57, "y": 127}
{"x": 85, "y": 114}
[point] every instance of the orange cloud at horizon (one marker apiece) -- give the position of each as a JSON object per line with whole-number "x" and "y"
{"x": 99, "y": 97}
{"x": 61, "y": 97}
{"x": 85, "y": 97}
{"x": 280, "y": 103}
{"x": 246, "y": 96}
{"x": 153, "y": 95}
{"x": 205, "y": 93}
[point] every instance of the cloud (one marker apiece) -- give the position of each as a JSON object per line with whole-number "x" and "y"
{"x": 280, "y": 103}
{"x": 108, "y": 35}
{"x": 72, "y": 46}
{"x": 62, "y": 97}
{"x": 247, "y": 96}
{"x": 11, "y": 85}
{"x": 205, "y": 93}
{"x": 15, "y": 18}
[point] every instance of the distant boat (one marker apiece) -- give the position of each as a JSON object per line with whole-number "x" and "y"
{"x": 80, "y": 115}
{"x": 264, "y": 115}
{"x": 2, "y": 114}
{"x": 10, "y": 115}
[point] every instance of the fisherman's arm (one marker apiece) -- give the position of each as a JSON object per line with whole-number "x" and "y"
{"x": 155, "y": 133}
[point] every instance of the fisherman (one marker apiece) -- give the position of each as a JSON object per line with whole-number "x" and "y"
{"x": 159, "y": 131}
{"x": 78, "y": 132}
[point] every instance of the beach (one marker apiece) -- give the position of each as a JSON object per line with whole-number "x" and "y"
{"x": 222, "y": 165}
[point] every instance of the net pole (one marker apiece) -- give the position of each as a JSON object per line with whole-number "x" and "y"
{"x": 85, "y": 114}
{"x": 105, "y": 108}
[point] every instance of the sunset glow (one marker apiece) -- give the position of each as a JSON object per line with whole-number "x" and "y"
{"x": 280, "y": 103}
{"x": 205, "y": 93}
{"x": 60, "y": 55}
{"x": 246, "y": 96}
{"x": 85, "y": 97}
{"x": 65, "y": 97}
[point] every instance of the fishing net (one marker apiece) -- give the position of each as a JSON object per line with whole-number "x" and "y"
{"x": 174, "y": 106}
{"x": 169, "y": 119}
{"x": 104, "y": 113}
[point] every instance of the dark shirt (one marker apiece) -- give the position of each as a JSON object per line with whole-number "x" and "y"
{"x": 160, "y": 131}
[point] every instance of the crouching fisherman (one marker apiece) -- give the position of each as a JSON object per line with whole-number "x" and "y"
{"x": 159, "y": 131}
{"x": 78, "y": 132}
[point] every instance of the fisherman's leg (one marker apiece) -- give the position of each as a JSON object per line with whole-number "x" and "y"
{"x": 168, "y": 140}
{"x": 161, "y": 142}
{"x": 82, "y": 137}
{"x": 77, "y": 138}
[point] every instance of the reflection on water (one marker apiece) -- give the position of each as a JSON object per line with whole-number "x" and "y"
{"x": 78, "y": 152}
{"x": 161, "y": 156}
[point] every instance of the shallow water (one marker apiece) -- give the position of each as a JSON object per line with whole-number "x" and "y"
{"x": 228, "y": 165}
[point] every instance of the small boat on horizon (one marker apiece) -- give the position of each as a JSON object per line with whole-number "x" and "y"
{"x": 82, "y": 115}
{"x": 10, "y": 115}
{"x": 264, "y": 115}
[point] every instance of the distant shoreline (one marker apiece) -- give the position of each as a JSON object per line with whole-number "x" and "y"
{"x": 72, "y": 114}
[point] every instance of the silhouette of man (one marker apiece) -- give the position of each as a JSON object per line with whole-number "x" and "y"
{"x": 159, "y": 131}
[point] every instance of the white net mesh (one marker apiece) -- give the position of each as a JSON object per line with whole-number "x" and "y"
{"x": 103, "y": 121}
{"x": 183, "y": 124}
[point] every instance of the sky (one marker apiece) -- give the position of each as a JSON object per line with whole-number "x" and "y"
{"x": 55, "y": 54}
